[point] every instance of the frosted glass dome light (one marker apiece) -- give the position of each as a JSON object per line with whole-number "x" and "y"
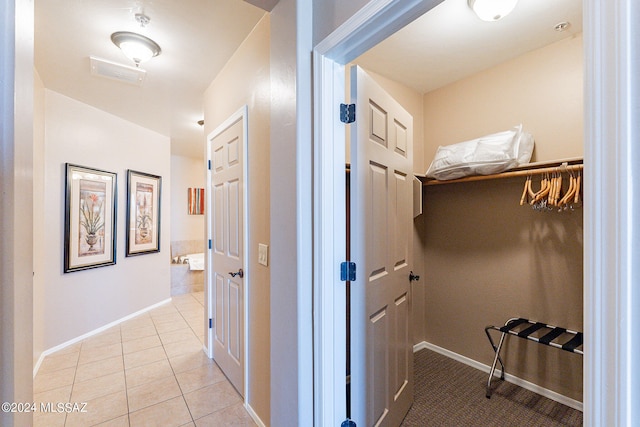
{"x": 492, "y": 10}
{"x": 135, "y": 46}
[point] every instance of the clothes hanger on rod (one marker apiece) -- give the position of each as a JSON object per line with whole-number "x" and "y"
{"x": 539, "y": 196}
{"x": 551, "y": 195}
{"x": 526, "y": 190}
{"x": 570, "y": 194}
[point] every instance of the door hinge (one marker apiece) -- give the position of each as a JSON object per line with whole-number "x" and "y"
{"x": 348, "y": 423}
{"x": 347, "y": 113}
{"x": 209, "y": 244}
{"x": 348, "y": 271}
{"x": 209, "y": 164}
{"x": 210, "y": 323}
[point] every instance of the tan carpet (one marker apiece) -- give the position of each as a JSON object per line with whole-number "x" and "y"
{"x": 451, "y": 394}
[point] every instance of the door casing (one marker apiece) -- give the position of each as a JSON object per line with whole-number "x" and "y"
{"x": 377, "y": 20}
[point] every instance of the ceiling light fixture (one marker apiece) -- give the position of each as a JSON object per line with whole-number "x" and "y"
{"x": 135, "y": 46}
{"x": 562, "y": 26}
{"x": 492, "y": 10}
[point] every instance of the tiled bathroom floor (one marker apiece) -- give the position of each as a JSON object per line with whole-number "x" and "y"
{"x": 147, "y": 371}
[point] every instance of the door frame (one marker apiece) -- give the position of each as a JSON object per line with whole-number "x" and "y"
{"x": 377, "y": 20}
{"x": 610, "y": 116}
{"x": 240, "y": 115}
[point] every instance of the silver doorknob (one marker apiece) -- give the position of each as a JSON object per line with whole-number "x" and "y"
{"x": 237, "y": 273}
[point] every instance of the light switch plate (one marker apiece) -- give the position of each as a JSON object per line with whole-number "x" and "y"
{"x": 263, "y": 254}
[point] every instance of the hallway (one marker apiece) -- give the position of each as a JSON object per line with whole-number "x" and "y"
{"x": 147, "y": 371}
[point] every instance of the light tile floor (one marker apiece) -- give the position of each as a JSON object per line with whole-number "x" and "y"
{"x": 147, "y": 371}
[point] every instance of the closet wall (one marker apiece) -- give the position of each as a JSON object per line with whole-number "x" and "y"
{"x": 541, "y": 89}
{"x": 486, "y": 258}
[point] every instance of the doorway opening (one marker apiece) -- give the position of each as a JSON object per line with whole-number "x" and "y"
{"x": 331, "y": 56}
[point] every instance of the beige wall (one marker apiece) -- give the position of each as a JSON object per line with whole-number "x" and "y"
{"x": 245, "y": 80}
{"x": 80, "y": 134}
{"x": 541, "y": 89}
{"x": 186, "y": 172}
{"x": 291, "y": 210}
{"x": 330, "y": 14}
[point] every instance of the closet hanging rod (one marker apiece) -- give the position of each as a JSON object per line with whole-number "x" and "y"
{"x": 562, "y": 167}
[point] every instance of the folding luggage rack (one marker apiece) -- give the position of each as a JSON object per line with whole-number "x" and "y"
{"x": 541, "y": 333}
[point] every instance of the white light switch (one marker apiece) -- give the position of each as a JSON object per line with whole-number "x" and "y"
{"x": 263, "y": 254}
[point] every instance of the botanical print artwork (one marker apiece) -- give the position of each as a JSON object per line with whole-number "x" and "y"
{"x": 89, "y": 218}
{"x": 92, "y": 213}
{"x": 144, "y": 213}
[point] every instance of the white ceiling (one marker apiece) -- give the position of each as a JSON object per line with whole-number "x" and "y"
{"x": 199, "y": 36}
{"x": 450, "y": 42}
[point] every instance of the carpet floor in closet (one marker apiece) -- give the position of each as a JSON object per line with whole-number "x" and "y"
{"x": 449, "y": 393}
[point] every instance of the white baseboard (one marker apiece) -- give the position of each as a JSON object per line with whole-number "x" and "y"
{"x": 572, "y": 403}
{"x": 94, "y": 332}
{"x": 253, "y": 414}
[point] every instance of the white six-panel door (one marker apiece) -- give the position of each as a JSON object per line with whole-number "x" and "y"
{"x": 227, "y": 287}
{"x": 381, "y": 241}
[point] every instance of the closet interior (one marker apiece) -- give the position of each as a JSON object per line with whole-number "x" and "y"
{"x": 491, "y": 248}
{"x": 485, "y": 258}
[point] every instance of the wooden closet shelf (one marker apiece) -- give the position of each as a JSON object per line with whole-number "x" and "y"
{"x": 524, "y": 170}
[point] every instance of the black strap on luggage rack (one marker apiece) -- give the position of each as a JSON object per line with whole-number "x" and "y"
{"x": 525, "y": 328}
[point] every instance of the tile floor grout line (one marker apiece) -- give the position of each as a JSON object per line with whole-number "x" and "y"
{"x": 193, "y": 419}
{"x": 124, "y": 372}
{"x": 182, "y": 393}
{"x": 175, "y": 376}
{"x": 73, "y": 383}
{"x": 168, "y": 361}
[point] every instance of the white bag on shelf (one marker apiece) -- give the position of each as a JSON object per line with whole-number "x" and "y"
{"x": 487, "y": 155}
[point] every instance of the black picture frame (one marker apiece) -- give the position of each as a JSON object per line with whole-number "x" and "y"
{"x": 144, "y": 195}
{"x": 91, "y": 197}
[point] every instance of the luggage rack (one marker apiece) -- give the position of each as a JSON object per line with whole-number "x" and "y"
{"x": 541, "y": 333}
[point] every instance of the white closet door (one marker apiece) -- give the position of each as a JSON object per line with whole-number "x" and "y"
{"x": 381, "y": 241}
